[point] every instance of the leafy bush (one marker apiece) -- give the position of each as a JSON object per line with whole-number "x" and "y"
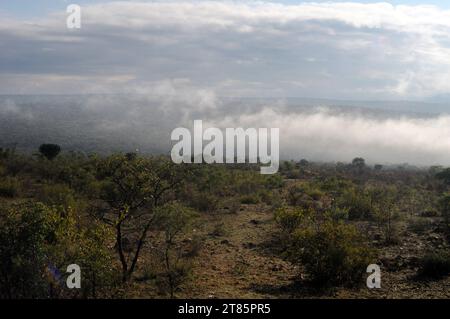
{"x": 290, "y": 219}
{"x": 303, "y": 195}
{"x": 337, "y": 214}
{"x": 250, "y": 199}
{"x": 57, "y": 195}
{"x": 204, "y": 202}
{"x": 23, "y": 250}
{"x": 273, "y": 181}
{"x": 435, "y": 265}
{"x": 357, "y": 202}
{"x": 37, "y": 244}
{"x": 9, "y": 187}
{"x": 332, "y": 254}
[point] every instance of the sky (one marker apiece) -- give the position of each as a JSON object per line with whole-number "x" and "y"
{"x": 339, "y": 50}
{"x": 30, "y": 8}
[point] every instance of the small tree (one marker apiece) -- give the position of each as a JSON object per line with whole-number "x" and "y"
{"x": 384, "y": 201}
{"x": 133, "y": 189}
{"x": 303, "y": 162}
{"x": 378, "y": 167}
{"x": 50, "y": 151}
{"x": 174, "y": 219}
{"x": 359, "y": 164}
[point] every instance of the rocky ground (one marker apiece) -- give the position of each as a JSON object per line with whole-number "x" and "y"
{"x": 237, "y": 260}
{"x": 240, "y": 264}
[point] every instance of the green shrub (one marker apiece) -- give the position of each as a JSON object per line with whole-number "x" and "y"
{"x": 57, "y": 195}
{"x": 250, "y": 199}
{"x": 333, "y": 254}
{"x": 337, "y": 213}
{"x": 203, "y": 201}
{"x": 23, "y": 250}
{"x": 37, "y": 244}
{"x": 290, "y": 219}
{"x": 435, "y": 265}
{"x": 315, "y": 194}
{"x": 9, "y": 187}
{"x": 303, "y": 195}
{"x": 358, "y": 204}
{"x": 273, "y": 181}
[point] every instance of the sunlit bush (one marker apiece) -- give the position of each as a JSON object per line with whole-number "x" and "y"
{"x": 333, "y": 254}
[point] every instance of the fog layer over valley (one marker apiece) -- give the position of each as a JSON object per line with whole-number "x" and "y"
{"x": 322, "y": 130}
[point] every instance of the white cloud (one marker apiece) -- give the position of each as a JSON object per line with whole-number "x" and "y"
{"x": 326, "y": 135}
{"x": 332, "y": 49}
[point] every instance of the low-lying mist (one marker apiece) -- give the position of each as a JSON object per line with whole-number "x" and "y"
{"x": 326, "y": 131}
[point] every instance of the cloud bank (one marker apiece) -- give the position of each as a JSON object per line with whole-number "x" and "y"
{"x": 126, "y": 123}
{"x": 325, "y": 134}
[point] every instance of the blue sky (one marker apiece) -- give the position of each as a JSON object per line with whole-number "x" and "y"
{"x": 31, "y": 8}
